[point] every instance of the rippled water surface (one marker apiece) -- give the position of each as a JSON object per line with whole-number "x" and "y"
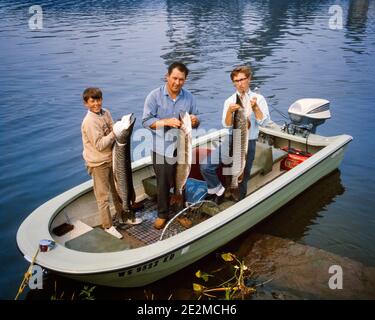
{"x": 124, "y": 47}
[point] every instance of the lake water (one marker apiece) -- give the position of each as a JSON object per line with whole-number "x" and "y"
{"x": 124, "y": 47}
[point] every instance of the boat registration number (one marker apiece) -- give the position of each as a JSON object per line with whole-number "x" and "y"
{"x": 146, "y": 266}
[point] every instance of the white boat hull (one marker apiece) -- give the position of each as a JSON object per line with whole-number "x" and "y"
{"x": 141, "y": 266}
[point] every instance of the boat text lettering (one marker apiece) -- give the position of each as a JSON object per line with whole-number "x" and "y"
{"x": 146, "y": 266}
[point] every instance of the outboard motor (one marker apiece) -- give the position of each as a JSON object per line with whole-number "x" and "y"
{"x": 306, "y": 115}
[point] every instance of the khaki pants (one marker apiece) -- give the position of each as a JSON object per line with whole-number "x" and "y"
{"x": 103, "y": 185}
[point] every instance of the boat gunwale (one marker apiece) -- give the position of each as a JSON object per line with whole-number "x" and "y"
{"x": 183, "y": 239}
{"x": 222, "y": 225}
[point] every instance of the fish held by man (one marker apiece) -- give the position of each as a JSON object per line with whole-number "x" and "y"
{"x": 122, "y": 170}
{"x": 184, "y": 160}
{"x": 239, "y": 147}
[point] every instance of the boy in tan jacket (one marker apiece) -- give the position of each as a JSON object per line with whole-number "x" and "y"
{"x": 98, "y": 139}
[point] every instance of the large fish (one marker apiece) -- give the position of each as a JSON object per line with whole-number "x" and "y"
{"x": 122, "y": 170}
{"x": 184, "y": 160}
{"x": 239, "y": 145}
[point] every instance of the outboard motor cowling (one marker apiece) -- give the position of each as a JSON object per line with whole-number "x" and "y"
{"x": 309, "y": 113}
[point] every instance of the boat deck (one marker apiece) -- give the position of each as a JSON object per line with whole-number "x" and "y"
{"x": 135, "y": 236}
{"x": 84, "y": 216}
{"x": 145, "y": 233}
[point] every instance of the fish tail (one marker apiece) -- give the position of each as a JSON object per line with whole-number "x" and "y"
{"x": 235, "y": 193}
{"x": 128, "y": 214}
{"x": 177, "y": 201}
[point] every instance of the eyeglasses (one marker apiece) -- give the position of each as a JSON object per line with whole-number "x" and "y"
{"x": 240, "y": 80}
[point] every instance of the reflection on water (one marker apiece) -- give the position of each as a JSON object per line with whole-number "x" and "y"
{"x": 296, "y": 218}
{"x": 124, "y": 47}
{"x": 357, "y": 16}
{"x": 246, "y": 32}
{"x": 356, "y": 24}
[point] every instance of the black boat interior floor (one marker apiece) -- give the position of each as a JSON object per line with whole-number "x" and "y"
{"x": 145, "y": 233}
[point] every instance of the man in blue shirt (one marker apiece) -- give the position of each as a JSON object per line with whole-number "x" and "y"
{"x": 257, "y": 113}
{"x": 161, "y": 115}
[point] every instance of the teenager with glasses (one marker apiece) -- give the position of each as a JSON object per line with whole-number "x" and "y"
{"x": 257, "y": 113}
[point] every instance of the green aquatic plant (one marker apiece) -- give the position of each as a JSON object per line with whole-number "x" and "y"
{"x": 203, "y": 275}
{"x": 86, "y": 293}
{"x": 152, "y": 297}
{"x": 232, "y": 288}
{"x": 55, "y": 295}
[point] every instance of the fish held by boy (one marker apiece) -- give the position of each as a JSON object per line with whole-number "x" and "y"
{"x": 122, "y": 170}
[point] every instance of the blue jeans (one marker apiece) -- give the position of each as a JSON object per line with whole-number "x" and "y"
{"x": 221, "y": 155}
{"x": 249, "y": 163}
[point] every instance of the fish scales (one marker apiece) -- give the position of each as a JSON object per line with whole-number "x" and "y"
{"x": 184, "y": 152}
{"x": 239, "y": 144}
{"x": 184, "y": 160}
{"x": 122, "y": 169}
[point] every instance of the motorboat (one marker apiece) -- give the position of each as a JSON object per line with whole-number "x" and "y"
{"x": 87, "y": 253}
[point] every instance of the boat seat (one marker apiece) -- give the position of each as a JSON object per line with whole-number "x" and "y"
{"x": 263, "y": 158}
{"x": 263, "y": 162}
{"x": 255, "y": 169}
{"x": 149, "y": 185}
{"x": 97, "y": 240}
{"x": 278, "y": 154}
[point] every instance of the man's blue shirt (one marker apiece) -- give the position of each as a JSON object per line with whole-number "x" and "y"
{"x": 159, "y": 105}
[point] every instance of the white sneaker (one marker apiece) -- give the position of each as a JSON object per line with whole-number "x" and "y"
{"x": 112, "y": 231}
{"x": 134, "y": 221}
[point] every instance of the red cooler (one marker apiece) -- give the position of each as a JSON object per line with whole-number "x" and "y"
{"x": 294, "y": 158}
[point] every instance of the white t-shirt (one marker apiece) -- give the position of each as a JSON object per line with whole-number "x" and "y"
{"x": 254, "y": 123}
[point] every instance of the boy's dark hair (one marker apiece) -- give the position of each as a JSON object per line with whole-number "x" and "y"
{"x": 94, "y": 93}
{"x": 246, "y": 70}
{"x": 180, "y": 66}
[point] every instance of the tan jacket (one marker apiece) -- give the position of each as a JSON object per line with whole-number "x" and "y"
{"x": 97, "y": 138}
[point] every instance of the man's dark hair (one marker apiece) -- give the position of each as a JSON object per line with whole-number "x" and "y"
{"x": 246, "y": 70}
{"x": 94, "y": 93}
{"x": 180, "y": 66}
